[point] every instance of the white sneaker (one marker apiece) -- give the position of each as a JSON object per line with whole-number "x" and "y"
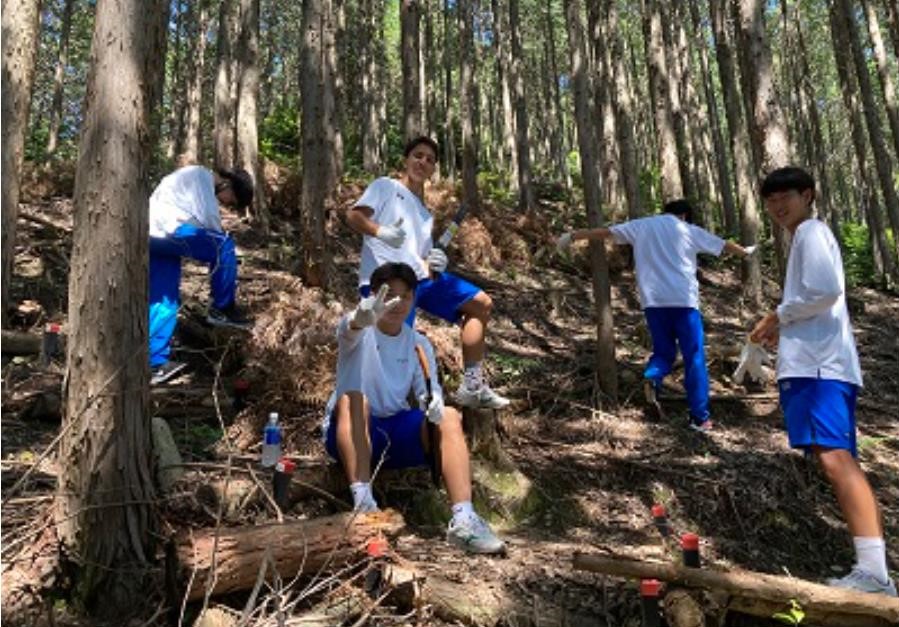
{"x": 483, "y": 397}
{"x": 864, "y": 581}
{"x": 474, "y": 535}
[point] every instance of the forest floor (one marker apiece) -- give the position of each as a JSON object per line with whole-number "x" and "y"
{"x": 597, "y": 468}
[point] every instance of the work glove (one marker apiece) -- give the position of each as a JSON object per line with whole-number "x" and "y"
{"x": 371, "y": 308}
{"x": 437, "y": 260}
{"x": 751, "y": 250}
{"x": 434, "y": 410}
{"x": 753, "y": 359}
{"x": 392, "y": 234}
{"x": 563, "y": 244}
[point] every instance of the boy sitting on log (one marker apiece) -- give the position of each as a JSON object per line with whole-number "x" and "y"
{"x": 818, "y": 371}
{"x": 381, "y": 364}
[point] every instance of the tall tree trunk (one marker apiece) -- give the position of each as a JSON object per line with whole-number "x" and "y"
{"x": 449, "y": 133}
{"x": 522, "y": 161}
{"x": 893, "y": 22}
{"x": 104, "y": 503}
{"x": 317, "y": 139}
{"x": 371, "y": 127}
{"x": 59, "y": 72}
{"x": 849, "y": 86}
{"x": 885, "y": 73}
{"x": 176, "y": 88}
{"x": 721, "y": 155}
{"x": 666, "y": 142}
{"x": 336, "y": 51}
{"x": 19, "y": 53}
{"x": 606, "y": 368}
{"x": 558, "y": 143}
{"x": 224, "y": 142}
{"x": 503, "y": 70}
{"x": 410, "y": 16}
{"x": 622, "y": 105}
{"x": 467, "y": 104}
{"x": 882, "y": 161}
{"x": 193, "y": 99}
{"x": 743, "y": 168}
{"x": 247, "y": 103}
{"x": 430, "y": 75}
{"x": 768, "y": 128}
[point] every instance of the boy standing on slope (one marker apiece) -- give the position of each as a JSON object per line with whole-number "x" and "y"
{"x": 665, "y": 250}
{"x": 818, "y": 371}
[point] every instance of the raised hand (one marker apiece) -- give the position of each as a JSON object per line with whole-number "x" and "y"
{"x": 371, "y": 308}
{"x": 392, "y": 234}
{"x": 437, "y": 260}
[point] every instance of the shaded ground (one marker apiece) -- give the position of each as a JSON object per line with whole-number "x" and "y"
{"x": 597, "y": 468}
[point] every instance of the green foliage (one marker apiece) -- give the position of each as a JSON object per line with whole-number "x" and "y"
{"x": 858, "y": 255}
{"x": 793, "y": 616}
{"x": 493, "y": 185}
{"x": 279, "y": 133}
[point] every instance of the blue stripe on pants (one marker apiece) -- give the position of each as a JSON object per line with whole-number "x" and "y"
{"x": 671, "y": 327}
{"x": 211, "y": 247}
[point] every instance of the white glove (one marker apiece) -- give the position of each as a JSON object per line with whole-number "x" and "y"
{"x": 434, "y": 412}
{"x": 750, "y": 250}
{"x": 437, "y": 260}
{"x": 392, "y": 234}
{"x": 564, "y": 242}
{"x": 371, "y": 308}
{"x": 753, "y": 359}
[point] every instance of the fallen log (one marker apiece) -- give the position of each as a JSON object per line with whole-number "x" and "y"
{"x": 760, "y": 594}
{"x": 19, "y": 343}
{"x": 228, "y": 559}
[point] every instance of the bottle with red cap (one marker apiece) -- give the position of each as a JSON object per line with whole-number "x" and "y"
{"x": 374, "y": 578}
{"x": 660, "y": 519}
{"x": 281, "y": 482}
{"x": 241, "y": 389}
{"x": 50, "y": 343}
{"x": 689, "y": 543}
{"x": 649, "y": 596}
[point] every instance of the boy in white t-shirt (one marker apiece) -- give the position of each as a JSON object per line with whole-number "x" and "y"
{"x": 397, "y": 227}
{"x": 665, "y": 249}
{"x": 369, "y": 418}
{"x": 818, "y": 371}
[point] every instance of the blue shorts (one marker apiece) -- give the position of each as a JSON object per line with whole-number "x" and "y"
{"x": 819, "y": 412}
{"x": 397, "y": 437}
{"x": 441, "y": 296}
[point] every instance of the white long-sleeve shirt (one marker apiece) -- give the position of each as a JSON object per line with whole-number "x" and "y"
{"x": 385, "y": 368}
{"x": 816, "y": 337}
{"x": 186, "y": 196}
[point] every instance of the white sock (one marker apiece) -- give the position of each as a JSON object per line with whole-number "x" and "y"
{"x": 871, "y": 557}
{"x": 363, "y": 499}
{"x": 462, "y": 510}
{"x": 474, "y": 377}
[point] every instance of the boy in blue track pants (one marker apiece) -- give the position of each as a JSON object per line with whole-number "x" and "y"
{"x": 818, "y": 371}
{"x": 665, "y": 249}
{"x": 185, "y": 222}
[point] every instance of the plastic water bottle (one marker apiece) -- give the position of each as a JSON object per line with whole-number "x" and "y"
{"x": 445, "y": 237}
{"x": 271, "y": 442}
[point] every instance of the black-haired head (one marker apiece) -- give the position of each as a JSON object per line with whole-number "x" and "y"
{"x": 787, "y": 179}
{"x": 241, "y": 183}
{"x": 681, "y": 208}
{"x": 393, "y": 270}
{"x": 418, "y": 141}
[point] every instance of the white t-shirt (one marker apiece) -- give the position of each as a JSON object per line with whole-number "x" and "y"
{"x": 815, "y": 333}
{"x": 385, "y": 368}
{"x": 391, "y": 200}
{"x": 665, "y": 249}
{"x": 186, "y": 196}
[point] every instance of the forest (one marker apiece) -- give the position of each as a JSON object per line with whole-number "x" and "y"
{"x": 129, "y": 501}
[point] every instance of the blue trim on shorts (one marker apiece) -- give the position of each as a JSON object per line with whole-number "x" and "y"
{"x": 819, "y": 412}
{"x": 397, "y": 437}
{"x": 441, "y": 296}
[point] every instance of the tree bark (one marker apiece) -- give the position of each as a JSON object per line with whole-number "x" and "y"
{"x": 224, "y": 141}
{"x": 104, "y": 508}
{"x": 59, "y": 73}
{"x": 884, "y": 71}
{"x": 606, "y": 368}
{"x": 247, "y": 106}
{"x": 228, "y": 560}
{"x": 892, "y": 7}
{"x": 743, "y": 168}
{"x": 849, "y": 89}
{"x": 666, "y": 141}
{"x": 558, "y": 134}
{"x": 193, "y": 93}
{"x": 883, "y": 164}
{"x": 410, "y": 17}
{"x": 467, "y": 105}
{"x": 19, "y": 53}
{"x": 371, "y": 157}
{"x": 822, "y": 604}
{"x": 503, "y": 62}
{"x": 449, "y": 134}
{"x": 522, "y": 143}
